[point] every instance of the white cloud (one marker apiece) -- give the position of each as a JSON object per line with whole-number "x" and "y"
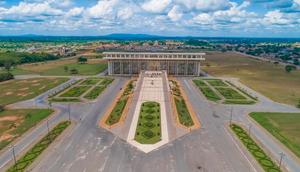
{"x": 32, "y": 9}
{"x": 156, "y": 6}
{"x": 275, "y": 17}
{"x": 75, "y": 12}
{"x": 175, "y": 13}
{"x": 125, "y": 13}
{"x": 203, "y": 19}
{"x": 103, "y": 9}
{"x": 205, "y": 5}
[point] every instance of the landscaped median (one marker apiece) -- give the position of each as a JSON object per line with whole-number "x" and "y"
{"x": 257, "y": 152}
{"x": 183, "y": 113}
{"x": 118, "y": 109}
{"x": 148, "y": 130}
{"x": 219, "y": 91}
{"x": 29, "y": 157}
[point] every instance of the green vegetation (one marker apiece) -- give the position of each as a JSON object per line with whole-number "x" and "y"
{"x": 229, "y": 93}
{"x": 207, "y": 91}
{"x": 90, "y": 81}
{"x": 216, "y": 83}
{"x": 18, "y": 90}
{"x": 298, "y": 104}
{"x": 243, "y": 91}
{"x": 95, "y": 92}
{"x": 117, "y": 111}
{"x": 75, "y": 68}
{"x": 183, "y": 113}
{"x": 76, "y": 91}
{"x": 115, "y": 115}
{"x": 283, "y": 126}
{"x": 261, "y": 157}
{"x": 148, "y": 129}
{"x": 23, "y": 57}
{"x": 15, "y": 122}
{"x": 6, "y": 76}
{"x": 240, "y": 102}
{"x": 26, "y": 160}
{"x": 65, "y": 100}
{"x": 256, "y": 74}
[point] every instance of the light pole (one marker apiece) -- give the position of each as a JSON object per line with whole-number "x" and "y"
{"x": 231, "y": 113}
{"x": 69, "y": 110}
{"x": 282, "y": 155}
{"x": 14, "y": 155}
{"x": 249, "y": 130}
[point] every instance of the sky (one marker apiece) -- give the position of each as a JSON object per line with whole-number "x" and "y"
{"x": 211, "y": 18}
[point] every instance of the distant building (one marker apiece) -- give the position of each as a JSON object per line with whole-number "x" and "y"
{"x": 132, "y": 63}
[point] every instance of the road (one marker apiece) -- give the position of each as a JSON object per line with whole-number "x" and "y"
{"x": 211, "y": 148}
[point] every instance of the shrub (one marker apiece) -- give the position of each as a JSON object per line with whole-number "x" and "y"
{"x": 148, "y": 134}
{"x": 74, "y": 71}
{"x": 6, "y": 76}
{"x": 1, "y": 108}
{"x": 298, "y": 104}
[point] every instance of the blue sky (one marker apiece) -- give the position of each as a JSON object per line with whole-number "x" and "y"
{"x": 252, "y": 18}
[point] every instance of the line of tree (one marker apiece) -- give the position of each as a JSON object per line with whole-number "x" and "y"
{"x": 15, "y": 58}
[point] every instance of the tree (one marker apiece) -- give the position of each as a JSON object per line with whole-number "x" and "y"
{"x": 296, "y": 62}
{"x": 66, "y": 68}
{"x": 7, "y": 65}
{"x": 74, "y": 71}
{"x": 289, "y": 68}
{"x": 1, "y": 108}
{"x": 82, "y": 60}
{"x": 298, "y": 104}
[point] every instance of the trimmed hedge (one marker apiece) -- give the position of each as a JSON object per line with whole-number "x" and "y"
{"x": 6, "y": 76}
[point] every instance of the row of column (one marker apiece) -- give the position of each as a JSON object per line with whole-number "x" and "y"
{"x": 182, "y": 68}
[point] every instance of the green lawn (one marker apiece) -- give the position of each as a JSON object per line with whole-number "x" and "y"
{"x": 230, "y": 93}
{"x": 207, "y": 91}
{"x": 117, "y": 111}
{"x": 75, "y": 91}
{"x": 91, "y": 81}
{"x": 15, "y": 122}
{"x": 261, "y": 157}
{"x": 183, "y": 113}
{"x": 240, "y": 102}
{"x": 216, "y": 83}
{"x": 65, "y": 100}
{"x": 83, "y": 69}
{"x": 17, "y": 71}
{"x": 283, "y": 126}
{"x": 17, "y": 90}
{"x": 148, "y": 129}
{"x": 27, "y": 159}
{"x": 94, "y": 93}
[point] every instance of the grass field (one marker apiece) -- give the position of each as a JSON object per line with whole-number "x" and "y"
{"x": 283, "y": 126}
{"x": 75, "y": 91}
{"x": 261, "y": 157}
{"x": 95, "y": 92}
{"x": 207, "y": 92}
{"x": 83, "y": 69}
{"x": 18, "y": 90}
{"x": 229, "y": 93}
{"x": 57, "y": 68}
{"x": 14, "y": 123}
{"x": 148, "y": 130}
{"x": 26, "y": 160}
{"x": 269, "y": 79}
{"x": 216, "y": 83}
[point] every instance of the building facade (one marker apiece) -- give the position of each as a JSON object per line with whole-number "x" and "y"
{"x": 131, "y": 63}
